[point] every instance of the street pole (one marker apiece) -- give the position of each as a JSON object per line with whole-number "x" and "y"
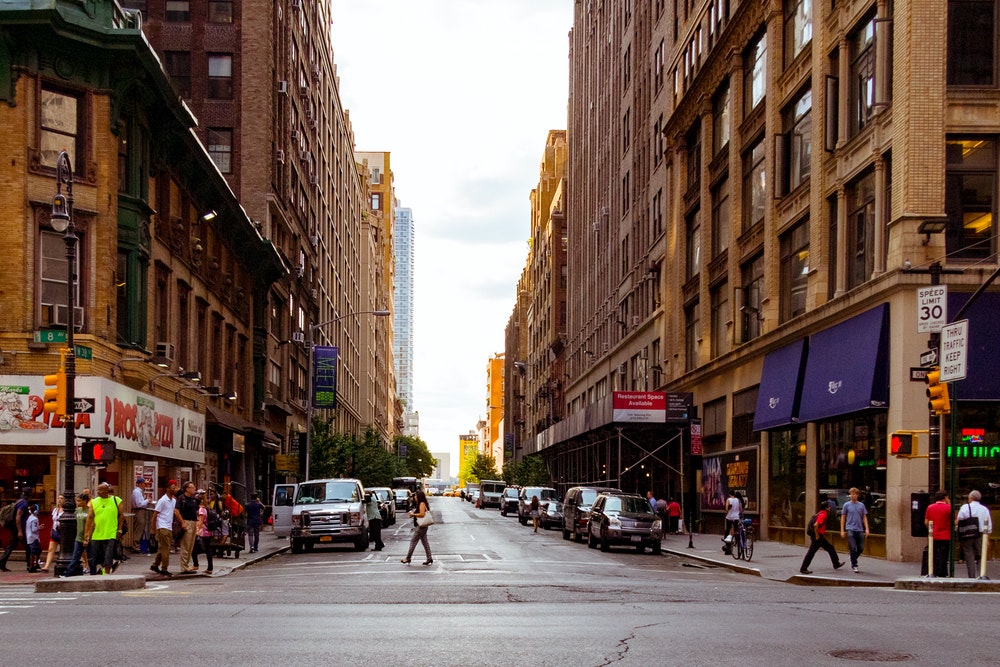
{"x": 62, "y": 221}
{"x": 310, "y": 342}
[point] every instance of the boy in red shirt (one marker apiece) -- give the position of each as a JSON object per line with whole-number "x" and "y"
{"x": 819, "y": 542}
{"x": 940, "y": 513}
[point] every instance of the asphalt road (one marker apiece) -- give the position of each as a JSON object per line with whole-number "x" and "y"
{"x": 497, "y": 594}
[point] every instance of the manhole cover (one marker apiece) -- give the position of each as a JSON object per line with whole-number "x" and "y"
{"x": 871, "y": 656}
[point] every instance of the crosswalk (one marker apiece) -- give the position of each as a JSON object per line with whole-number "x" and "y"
{"x": 14, "y": 601}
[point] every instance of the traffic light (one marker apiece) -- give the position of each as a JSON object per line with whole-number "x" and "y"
{"x": 903, "y": 444}
{"x": 100, "y": 450}
{"x": 937, "y": 392}
{"x": 55, "y": 398}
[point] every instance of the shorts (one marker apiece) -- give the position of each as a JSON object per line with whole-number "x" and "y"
{"x": 35, "y": 548}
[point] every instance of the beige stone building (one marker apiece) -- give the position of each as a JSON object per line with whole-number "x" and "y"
{"x": 755, "y": 194}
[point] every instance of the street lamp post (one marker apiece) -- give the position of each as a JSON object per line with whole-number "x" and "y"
{"x": 312, "y": 363}
{"x": 62, "y": 221}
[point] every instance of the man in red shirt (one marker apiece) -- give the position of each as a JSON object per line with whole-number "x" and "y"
{"x": 940, "y": 513}
{"x": 819, "y": 541}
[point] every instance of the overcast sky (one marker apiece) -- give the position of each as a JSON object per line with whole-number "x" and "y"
{"x": 462, "y": 93}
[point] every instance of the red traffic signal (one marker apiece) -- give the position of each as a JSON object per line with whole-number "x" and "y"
{"x": 97, "y": 451}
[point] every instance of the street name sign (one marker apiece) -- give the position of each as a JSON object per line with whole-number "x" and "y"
{"x": 954, "y": 343}
{"x": 931, "y": 302}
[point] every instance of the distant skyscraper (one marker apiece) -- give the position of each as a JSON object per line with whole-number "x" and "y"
{"x": 403, "y": 313}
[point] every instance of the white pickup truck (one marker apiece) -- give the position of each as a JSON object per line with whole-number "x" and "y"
{"x": 327, "y": 511}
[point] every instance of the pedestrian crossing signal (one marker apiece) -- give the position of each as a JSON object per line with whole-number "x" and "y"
{"x": 903, "y": 445}
{"x": 98, "y": 452}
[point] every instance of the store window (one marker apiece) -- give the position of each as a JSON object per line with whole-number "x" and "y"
{"x": 977, "y": 455}
{"x": 787, "y": 470}
{"x": 852, "y": 453}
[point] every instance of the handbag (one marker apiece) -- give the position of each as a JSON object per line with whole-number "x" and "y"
{"x": 425, "y": 520}
{"x": 968, "y": 529}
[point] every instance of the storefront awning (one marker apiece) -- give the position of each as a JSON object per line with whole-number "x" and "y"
{"x": 780, "y": 385}
{"x": 847, "y": 370}
{"x": 218, "y": 417}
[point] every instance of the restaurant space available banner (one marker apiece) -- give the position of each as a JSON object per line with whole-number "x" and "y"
{"x": 737, "y": 470}
{"x": 639, "y": 406}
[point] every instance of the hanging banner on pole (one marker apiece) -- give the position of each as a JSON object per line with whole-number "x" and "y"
{"x": 324, "y": 389}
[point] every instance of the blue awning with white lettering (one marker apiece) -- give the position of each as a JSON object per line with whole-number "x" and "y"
{"x": 848, "y": 367}
{"x": 780, "y": 386}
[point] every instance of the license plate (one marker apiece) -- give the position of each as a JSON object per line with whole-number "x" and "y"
{"x": 637, "y": 538}
{"x": 326, "y": 538}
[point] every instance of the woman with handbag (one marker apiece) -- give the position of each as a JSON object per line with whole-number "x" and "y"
{"x": 971, "y": 523}
{"x": 422, "y": 519}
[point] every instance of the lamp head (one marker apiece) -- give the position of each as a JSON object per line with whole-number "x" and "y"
{"x": 60, "y": 213}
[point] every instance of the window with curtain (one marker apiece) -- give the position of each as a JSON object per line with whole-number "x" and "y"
{"x": 220, "y": 76}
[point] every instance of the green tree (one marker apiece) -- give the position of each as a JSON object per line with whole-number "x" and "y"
{"x": 418, "y": 461}
{"x": 484, "y": 467}
{"x": 371, "y": 462}
{"x": 340, "y": 455}
{"x": 530, "y": 471}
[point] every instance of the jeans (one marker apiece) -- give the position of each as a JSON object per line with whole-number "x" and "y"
{"x": 10, "y": 547}
{"x": 253, "y": 536}
{"x": 856, "y": 544}
{"x": 941, "y": 550}
{"x": 74, "y": 561}
{"x": 203, "y": 545}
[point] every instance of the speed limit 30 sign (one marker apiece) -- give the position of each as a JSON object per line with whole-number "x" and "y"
{"x": 931, "y": 308}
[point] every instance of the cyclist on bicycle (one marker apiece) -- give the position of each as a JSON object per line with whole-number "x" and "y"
{"x": 734, "y": 512}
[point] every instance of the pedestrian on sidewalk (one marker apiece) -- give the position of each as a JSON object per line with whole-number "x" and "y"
{"x": 34, "y": 546}
{"x": 818, "y": 541}
{"x": 939, "y": 512}
{"x": 534, "y": 509}
{"x": 163, "y": 519}
{"x": 187, "y": 505}
{"x": 420, "y": 532}
{"x": 204, "y": 534}
{"x": 141, "y": 508}
{"x": 374, "y": 520}
{"x": 255, "y": 521}
{"x": 854, "y": 526}
{"x": 972, "y": 548}
{"x": 104, "y": 528}
{"x": 79, "y": 553}
{"x": 54, "y": 536}
{"x": 674, "y": 516}
{"x": 17, "y": 529}
{"x": 651, "y": 499}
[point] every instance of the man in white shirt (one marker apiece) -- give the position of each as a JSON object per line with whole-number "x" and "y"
{"x": 141, "y": 508}
{"x": 972, "y": 548}
{"x": 163, "y": 519}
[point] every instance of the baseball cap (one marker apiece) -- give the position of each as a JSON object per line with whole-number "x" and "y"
{"x": 140, "y": 480}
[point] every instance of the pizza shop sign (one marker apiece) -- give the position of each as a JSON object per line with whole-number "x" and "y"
{"x": 138, "y": 422}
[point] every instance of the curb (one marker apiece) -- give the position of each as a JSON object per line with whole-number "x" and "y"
{"x": 109, "y": 582}
{"x": 736, "y": 567}
{"x": 947, "y": 585}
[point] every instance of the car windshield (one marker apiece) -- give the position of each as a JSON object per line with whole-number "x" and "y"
{"x": 543, "y": 494}
{"x": 510, "y": 493}
{"x": 401, "y": 493}
{"x": 588, "y": 496}
{"x": 312, "y": 493}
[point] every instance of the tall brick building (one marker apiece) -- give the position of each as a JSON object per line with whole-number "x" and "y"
{"x": 756, "y": 191}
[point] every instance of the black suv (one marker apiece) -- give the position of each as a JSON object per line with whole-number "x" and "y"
{"x": 624, "y": 519}
{"x": 576, "y": 509}
{"x": 508, "y": 501}
{"x": 524, "y": 500}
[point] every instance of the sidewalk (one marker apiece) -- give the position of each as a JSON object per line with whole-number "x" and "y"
{"x": 138, "y": 565}
{"x": 781, "y": 562}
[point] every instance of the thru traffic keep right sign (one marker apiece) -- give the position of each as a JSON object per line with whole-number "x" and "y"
{"x": 954, "y": 342}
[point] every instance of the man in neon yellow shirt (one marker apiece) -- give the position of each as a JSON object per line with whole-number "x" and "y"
{"x": 104, "y": 528}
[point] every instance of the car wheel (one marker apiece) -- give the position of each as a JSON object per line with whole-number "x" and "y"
{"x": 605, "y": 545}
{"x": 361, "y": 543}
{"x": 657, "y": 549}
{"x": 591, "y": 542}
{"x": 296, "y": 546}
{"x": 640, "y": 548}
{"x": 565, "y": 534}
{"x": 578, "y": 537}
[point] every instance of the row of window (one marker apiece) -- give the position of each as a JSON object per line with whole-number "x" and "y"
{"x": 179, "y": 11}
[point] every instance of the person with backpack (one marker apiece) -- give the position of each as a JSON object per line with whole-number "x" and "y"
{"x": 816, "y": 530}
{"x": 104, "y": 527}
{"x": 16, "y": 528}
{"x": 7, "y": 515}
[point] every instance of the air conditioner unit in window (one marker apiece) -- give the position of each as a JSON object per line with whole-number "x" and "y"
{"x": 165, "y": 350}
{"x": 280, "y": 155}
{"x": 636, "y": 320}
{"x": 298, "y": 337}
{"x": 58, "y": 316}
{"x": 622, "y": 369}
{"x": 644, "y": 353}
{"x": 283, "y": 87}
{"x": 300, "y": 270}
{"x": 314, "y": 239}
{"x": 313, "y": 179}
{"x": 304, "y": 155}
{"x": 309, "y": 113}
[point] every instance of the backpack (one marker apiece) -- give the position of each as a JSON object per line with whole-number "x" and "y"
{"x": 811, "y": 526}
{"x": 213, "y": 522}
{"x": 7, "y": 515}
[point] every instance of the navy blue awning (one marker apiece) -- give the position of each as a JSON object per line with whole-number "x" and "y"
{"x": 848, "y": 367}
{"x": 780, "y": 384}
{"x": 982, "y": 363}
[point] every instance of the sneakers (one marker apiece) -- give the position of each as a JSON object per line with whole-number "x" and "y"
{"x": 155, "y": 568}
{"x": 838, "y": 565}
{"x": 854, "y": 568}
{"x": 727, "y": 539}
{"x": 805, "y": 571}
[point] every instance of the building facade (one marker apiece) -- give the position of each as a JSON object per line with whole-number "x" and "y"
{"x": 171, "y": 276}
{"x": 402, "y": 340}
{"x": 756, "y": 193}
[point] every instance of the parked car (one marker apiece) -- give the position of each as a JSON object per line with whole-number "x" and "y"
{"x": 508, "y": 501}
{"x": 550, "y": 513}
{"x": 490, "y": 492}
{"x": 524, "y": 500}
{"x": 402, "y": 498}
{"x": 623, "y": 519}
{"x": 329, "y": 511}
{"x": 473, "y": 496}
{"x": 386, "y": 504}
{"x": 576, "y": 509}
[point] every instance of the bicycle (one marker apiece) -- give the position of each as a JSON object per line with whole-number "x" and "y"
{"x": 742, "y": 545}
